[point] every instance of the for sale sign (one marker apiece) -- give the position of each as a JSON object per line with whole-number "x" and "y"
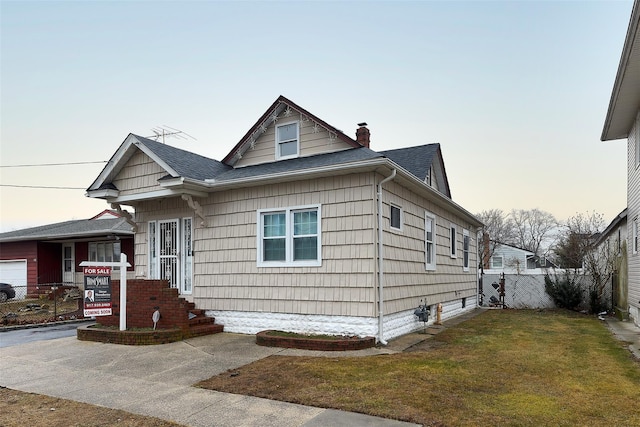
{"x": 97, "y": 291}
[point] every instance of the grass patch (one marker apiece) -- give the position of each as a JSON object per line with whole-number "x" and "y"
{"x": 503, "y": 367}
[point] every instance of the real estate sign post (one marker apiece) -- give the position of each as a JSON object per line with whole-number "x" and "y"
{"x": 97, "y": 291}
{"x": 100, "y": 267}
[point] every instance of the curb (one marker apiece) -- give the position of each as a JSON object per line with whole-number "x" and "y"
{"x": 43, "y": 325}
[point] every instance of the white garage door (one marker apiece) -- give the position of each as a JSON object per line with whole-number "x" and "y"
{"x": 14, "y": 272}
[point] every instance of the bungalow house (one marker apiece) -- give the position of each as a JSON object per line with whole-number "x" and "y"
{"x": 299, "y": 228}
{"x": 38, "y": 257}
{"x": 623, "y": 121}
{"x": 510, "y": 259}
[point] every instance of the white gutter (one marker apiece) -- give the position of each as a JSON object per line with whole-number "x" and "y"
{"x": 381, "y": 261}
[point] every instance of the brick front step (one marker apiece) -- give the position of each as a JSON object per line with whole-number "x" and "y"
{"x": 204, "y": 329}
{"x": 179, "y": 318}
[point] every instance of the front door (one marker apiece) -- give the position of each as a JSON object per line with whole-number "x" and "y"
{"x": 168, "y": 251}
{"x": 68, "y": 263}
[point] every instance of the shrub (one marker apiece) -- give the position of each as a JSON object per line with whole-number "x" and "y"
{"x": 596, "y": 305}
{"x": 564, "y": 291}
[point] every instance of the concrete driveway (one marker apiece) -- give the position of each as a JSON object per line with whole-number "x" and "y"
{"x": 156, "y": 380}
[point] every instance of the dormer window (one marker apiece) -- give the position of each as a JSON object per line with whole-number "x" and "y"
{"x": 287, "y": 141}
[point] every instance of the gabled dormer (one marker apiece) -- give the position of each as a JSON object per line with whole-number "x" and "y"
{"x": 287, "y": 131}
{"x": 425, "y": 162}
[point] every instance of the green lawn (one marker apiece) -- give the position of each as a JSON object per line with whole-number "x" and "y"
{"x": 503, "y": 367}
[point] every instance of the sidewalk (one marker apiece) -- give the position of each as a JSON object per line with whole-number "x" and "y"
{"x": 626, "y": 331}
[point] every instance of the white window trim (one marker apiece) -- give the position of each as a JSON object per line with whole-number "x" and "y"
{"x": 391, "y": 206}
{"x": 634, "y": 237}
{"x": 152, "y": 262}
{"x": 183, "y": 257}
{"x": 292, "y": 156}
{"x": 105, "y": 244}
{"x": 453, "y": 243}
{"x": 637, "y": 142}
{"x": 288, "y": 262}
{"x": 430, "y": 266}
{"x": 466, "y": 252}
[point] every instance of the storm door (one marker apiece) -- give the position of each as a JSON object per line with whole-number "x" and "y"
{"x": 170, "y": 244}
{"x": 168, "y": 239}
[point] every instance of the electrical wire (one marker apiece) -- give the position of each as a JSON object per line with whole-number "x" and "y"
{"x": 42, "y": 187}
{"x": 53, "y": 164}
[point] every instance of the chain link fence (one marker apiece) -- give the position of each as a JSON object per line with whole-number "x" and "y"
{"x": 528, "y": 291}
{"x": 53, "y": 302}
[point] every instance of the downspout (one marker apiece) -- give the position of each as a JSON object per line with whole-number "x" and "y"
{"x": 380, "y": 262}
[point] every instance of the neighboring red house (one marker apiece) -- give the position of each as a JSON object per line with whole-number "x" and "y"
{"x": 51, "y": 254}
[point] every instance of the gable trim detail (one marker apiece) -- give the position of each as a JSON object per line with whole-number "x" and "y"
{"x": 273, "y": 113}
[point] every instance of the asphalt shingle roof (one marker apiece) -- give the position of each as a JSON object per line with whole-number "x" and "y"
{"x": 301, "y": 163}
{"x": 70, "y": 229}
{"x": 185, "y": 163}
{"x": 416, "y": 160}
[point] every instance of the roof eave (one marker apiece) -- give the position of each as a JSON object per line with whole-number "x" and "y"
{"x": 102, "y": 194}
{"x": 619, "y": 117}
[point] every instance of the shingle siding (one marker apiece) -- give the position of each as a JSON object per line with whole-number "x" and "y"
{"x": 311, "y": 143}
{"x": 140, "y": 175}
{"x": 633, "y": 205}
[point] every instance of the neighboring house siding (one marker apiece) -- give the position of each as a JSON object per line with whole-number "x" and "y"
{"x": 633, "y": 215}
{"x": 514, "y": 260}
{"x": 141, "y": 174}
{"x": 49, "y": 263}
{"x": 310, "y": 143}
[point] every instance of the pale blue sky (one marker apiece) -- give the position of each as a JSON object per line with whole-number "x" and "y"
{"x": 515, "y": 92}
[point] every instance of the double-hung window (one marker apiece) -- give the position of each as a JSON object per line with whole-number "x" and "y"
{"x": 465, "y": 249}
{"x": 287, "y": 141}
{"x": 289, "y": 237}
{"x": 104, "y": 251}
{"x": 430, "y": 241}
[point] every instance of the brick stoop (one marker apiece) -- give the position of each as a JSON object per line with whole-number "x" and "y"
{"x": 179, "y": 319}
{"x": 202, "y": 324}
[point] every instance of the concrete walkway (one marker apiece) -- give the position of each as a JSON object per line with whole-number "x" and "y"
{"x": 626, "y": 331}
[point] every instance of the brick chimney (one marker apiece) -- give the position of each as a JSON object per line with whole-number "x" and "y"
{"x": 363, "y": 134}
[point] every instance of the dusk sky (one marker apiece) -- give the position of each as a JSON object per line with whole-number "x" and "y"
{"x": 515, "y": 92}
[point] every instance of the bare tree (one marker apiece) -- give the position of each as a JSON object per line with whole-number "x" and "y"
{"x": 534, "y": 229}
{"x": 578, "y": 248}
{"x": 500, "y": 228}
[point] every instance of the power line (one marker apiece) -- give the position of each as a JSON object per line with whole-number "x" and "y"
{"x": 42, "y": 187}
{"x": 52, "y": 164}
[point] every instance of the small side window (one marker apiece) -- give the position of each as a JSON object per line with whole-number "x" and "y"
{"x": 396, "y": 217}
{"x": 453, "y": 243}
{"x": 465, "y": 249}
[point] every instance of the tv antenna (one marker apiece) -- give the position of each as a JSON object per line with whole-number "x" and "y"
{"x": 161, "y": 132}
